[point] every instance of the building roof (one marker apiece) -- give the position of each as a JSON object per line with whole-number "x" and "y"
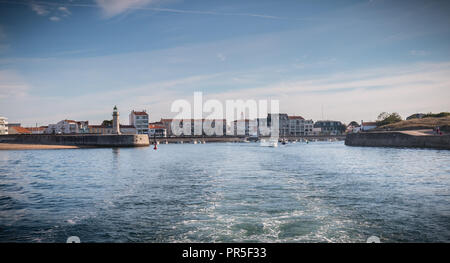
{"x": 154, "y": 126}
{"x": 296, "y": 118}
{"x": 110, "y": 127}
{"x": 127, "y": 126}
{"x": 19, "y": 129}
{"x": 36, "y": 128}
{"x": 369, "y": 124}
{"x": 170, "y": 120}
{"x": 139, "y": 113}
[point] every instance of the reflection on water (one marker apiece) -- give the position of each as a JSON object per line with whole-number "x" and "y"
{"x": 317, "y": 192}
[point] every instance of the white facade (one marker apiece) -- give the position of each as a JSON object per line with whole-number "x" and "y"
{"x": 139, "y": 119}
{"x": 67, "y": 127}
{"x": 365, "y": 126}
{"x": 3, "y": 125}
{"x": 157, "y": 131}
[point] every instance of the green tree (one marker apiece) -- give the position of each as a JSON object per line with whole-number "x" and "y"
{"x": 353, "y": 123}
{"x": 107, "y": 123}
{"x": 387, "y": 118}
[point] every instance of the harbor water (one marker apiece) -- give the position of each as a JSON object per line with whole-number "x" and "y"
{"x": 226, "y": 192}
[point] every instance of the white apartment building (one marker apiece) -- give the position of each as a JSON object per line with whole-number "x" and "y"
{"x": 139, "y": 119}
{"x": 3, "y": 125}
{"x": 67, "y": 127}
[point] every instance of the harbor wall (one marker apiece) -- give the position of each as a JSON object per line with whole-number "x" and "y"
{"x": 397, "y": 139}
{"x": 134, "y": 140}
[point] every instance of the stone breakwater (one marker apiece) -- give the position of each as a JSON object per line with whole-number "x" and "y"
{"x": 398, "y": 139}
{"x": 134, "y": 140}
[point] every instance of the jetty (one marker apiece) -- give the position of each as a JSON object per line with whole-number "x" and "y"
{"x": 73, "y": 141}
{"x": 407, "y": 139}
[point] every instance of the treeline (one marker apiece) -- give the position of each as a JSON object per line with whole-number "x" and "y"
{"x": 386, "y": 118}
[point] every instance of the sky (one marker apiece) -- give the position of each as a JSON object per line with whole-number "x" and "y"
{"x": 337, "y": 60}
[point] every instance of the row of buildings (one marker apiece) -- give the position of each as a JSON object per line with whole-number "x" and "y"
{"x": 139, "y": 124}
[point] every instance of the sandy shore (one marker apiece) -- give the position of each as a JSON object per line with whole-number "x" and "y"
{"x": 16, "y": 146}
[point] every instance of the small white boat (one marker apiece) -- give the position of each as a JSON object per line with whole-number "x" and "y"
{"x": 270, "y": 143}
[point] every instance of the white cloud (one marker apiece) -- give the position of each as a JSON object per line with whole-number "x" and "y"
{"x": 64, "y": 11}
{"x": 418, "y": 52}
{"x": 50, "y": 9}
{"x": 12, "y": 85}
{"x": 115, "y": 7}
{"x": 55, "y": 18}
{"x": 39, "y": 9}
{"x": 221, "y": 57}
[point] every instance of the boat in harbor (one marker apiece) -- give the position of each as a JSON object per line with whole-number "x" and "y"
{"x": 269, "y": 143}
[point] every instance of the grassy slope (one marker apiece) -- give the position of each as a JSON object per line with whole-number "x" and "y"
{"x": 415, "y": 124}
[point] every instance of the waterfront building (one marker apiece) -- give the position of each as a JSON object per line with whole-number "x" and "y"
{"x": 330, "y": 127}
{"x": 127, "y": 129}
{"x": 200, "y": 123}
{"x": 316, "y": 131}
{"x": 104, "y": 129}
{"x": 18, "y": 130}
{"x": 353, "y": 128}
{"x": 298, "y": 126}
{"x": 156, "y": 129}
{"x": 366, "y": 126}
{"x": 3, "y": 125}
{"x": 139, "y": 119}
{"x": 283, "y": 123}
{"x": 67, "y": 127}
{"x": 14, "y": 125}
{"x": 37, "y": 130}
{"x": 263, "y": 127}
{"x": 245, "y": 127}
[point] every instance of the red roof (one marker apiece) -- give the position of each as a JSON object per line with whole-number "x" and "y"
{"x": 153, "y": 126}
{"x": 369, "y": 124}
{"x": 20, "y": 129}
{"x": 296, "y": 118}
{"x": 36, "y": 128}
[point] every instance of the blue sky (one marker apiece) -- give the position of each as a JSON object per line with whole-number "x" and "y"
{"x": 355, "y": 59}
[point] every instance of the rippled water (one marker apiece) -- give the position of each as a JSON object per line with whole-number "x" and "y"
{"x": 317, "y": 192}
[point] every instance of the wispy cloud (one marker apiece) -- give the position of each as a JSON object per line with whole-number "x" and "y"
{"x": 112, "y": 8}
{"x": 419, "y": 52}
{"x": 115, "y": 7}
{"x": 221, "y": 57}
{"x": 39, "y": 9}
{"x": 64, "y": 11}
{"x": 54, "y": 18}
{"x": 12, "y": 85}
{"x": 49, "y": 9}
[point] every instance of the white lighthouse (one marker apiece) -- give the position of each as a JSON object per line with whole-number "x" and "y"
{"x": 116, "y": 124}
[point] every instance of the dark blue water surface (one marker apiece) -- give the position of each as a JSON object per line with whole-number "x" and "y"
{"x": 229, "y": 192}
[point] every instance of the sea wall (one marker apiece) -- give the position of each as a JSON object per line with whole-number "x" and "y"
{"x": 133, "y": 140}
{"x": 397, "y": 139}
